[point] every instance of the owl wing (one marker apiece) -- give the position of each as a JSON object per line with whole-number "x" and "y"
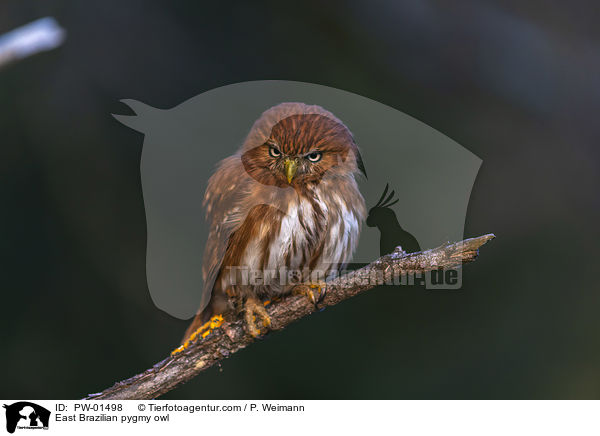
{"x": 224, "y": 214}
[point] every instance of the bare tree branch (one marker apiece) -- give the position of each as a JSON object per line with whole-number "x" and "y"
{"x": 40, "y": 35}
{"x": 231, "y": 337}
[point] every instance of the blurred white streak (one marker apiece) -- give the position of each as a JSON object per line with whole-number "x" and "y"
{"x": 40, "y": 35}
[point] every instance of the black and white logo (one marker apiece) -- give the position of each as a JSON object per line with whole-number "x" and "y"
{"x": 26, "y": 415}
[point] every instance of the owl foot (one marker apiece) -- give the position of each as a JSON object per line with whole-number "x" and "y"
{"x": 307, "y": 291}
{"x": 203, "y": 331}
{"x": 254, "y": 309}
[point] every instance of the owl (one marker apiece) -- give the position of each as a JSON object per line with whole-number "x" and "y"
{"x": 284, "y": 213}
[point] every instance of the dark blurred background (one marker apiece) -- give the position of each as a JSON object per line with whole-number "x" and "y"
{"x": 517, "y": 83}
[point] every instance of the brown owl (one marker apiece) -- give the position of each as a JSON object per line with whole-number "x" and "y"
{"x": 284, "y": 210}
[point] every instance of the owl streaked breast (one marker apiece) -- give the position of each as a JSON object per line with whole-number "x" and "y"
{"x": 315, "y": 236}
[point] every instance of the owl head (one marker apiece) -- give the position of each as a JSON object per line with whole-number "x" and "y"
{"x": 294, "y": 144}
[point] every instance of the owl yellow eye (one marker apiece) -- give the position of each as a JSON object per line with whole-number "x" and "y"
{"x": 315, "y": 156}
{"x": 273, "y": 152}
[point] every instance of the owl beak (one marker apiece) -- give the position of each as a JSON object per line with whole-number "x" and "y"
{"x": 291, "y": 166}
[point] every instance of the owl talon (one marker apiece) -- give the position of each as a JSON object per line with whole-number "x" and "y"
{"x": 254, "y": 309}
{"x": 307, "y": 291}
{"x": 322, "y": 289}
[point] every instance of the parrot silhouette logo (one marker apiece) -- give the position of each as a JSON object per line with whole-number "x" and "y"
{"x": 431, "y": 175}
{"x": 392, "y": 234}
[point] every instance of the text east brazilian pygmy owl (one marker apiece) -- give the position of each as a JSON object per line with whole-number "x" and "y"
{"x": 284, "y": 210}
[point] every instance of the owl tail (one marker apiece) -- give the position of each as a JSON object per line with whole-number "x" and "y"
{"x": 200, "y": 320}
{"x": 210, "y": 317}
